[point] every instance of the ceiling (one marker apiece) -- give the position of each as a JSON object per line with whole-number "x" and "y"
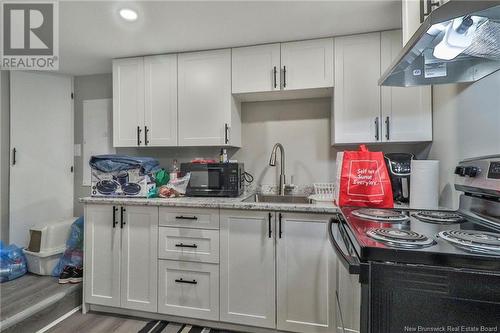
{"x": 92, "y": 33}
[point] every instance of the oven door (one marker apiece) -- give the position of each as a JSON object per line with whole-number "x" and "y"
{"x": 352, "y": 282}
{"x": 206, "y": 179}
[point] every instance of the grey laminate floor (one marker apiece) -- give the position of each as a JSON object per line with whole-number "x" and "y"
{"x": 99, "y": 323}
{"x": 22, "y": 293}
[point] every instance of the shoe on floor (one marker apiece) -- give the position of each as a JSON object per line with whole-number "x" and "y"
{"x": 77, "y": 275}
{"x": 66, "y": 274}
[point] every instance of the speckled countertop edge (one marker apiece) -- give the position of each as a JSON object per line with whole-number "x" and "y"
{"x": 222, "y": 203}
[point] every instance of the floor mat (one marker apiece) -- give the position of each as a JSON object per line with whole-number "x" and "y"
{"x": 161, "y": 326}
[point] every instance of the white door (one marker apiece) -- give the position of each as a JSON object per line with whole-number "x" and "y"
{"x": 256, "y": 68}
{"x": 356, "y": 100}
{"x": 307, "y": 64}
{"x": 406, "y": 111}
{"x": 41, "y": 140}
{"x": 204, "y": 97}
{"x": 306, "y": 274}
{"x": 139, "y": 280}
{"x": 102, "y": 255}
{"x": 160, "y": 100}
{"x": 128, "y": 102}
{"x": 247, "y": 279}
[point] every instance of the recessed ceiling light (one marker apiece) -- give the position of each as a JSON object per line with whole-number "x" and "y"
{"x": 128, "y": 14}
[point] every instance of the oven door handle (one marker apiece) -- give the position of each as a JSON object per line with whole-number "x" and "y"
{"x": 351, "y": 263}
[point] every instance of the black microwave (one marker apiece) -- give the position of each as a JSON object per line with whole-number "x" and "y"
{"x": 214, "y": 179}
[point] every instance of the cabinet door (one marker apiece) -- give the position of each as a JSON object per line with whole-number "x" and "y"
{"x": 406, "y": 111}
{"x": 204, "y": 97}
{"x": 139, "y": 258}
{"x": 128, "y": 102}
{"x": 306, "y": 274}
{"x": 356, "y": 101}
{"x": 307, "y": 64}
{"x": 102, "y": 255}
{"x": 256, "y": 68}
{"x": 160, "y": 100}
{"x": 247, "y": 268}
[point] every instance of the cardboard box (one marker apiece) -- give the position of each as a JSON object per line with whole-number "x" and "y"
{"x": 130, "y": 183}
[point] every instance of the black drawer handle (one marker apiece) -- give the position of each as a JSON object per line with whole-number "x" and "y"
{"x": 182, "y": 217}
{"x": 186, "y": 281}
{"x": 194, "y": 246}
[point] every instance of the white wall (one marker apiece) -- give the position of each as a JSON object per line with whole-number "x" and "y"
{"x": 301, "y": 126}
{"x": 466, "y": 124}
{"x": 4, "y": 154}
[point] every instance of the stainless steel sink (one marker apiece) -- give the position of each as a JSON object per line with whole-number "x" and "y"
{"x": 273, "y": 198}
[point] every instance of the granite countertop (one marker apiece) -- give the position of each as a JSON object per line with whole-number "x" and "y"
{"x": 213, "y": 202}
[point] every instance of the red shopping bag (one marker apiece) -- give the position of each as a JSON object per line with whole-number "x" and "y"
{"x": 363, "y": 180}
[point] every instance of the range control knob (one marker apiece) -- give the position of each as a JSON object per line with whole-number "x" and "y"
{"x": 459, "y": 170}
{"x": 471, "y": 171}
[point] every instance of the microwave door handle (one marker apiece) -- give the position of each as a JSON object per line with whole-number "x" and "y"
{"x": 351, "y": 263}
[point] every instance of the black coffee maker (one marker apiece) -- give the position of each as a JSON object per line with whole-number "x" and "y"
{"x": 399, "y": 168}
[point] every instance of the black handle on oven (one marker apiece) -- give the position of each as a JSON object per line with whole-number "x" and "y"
{"x": 351, "y": 263}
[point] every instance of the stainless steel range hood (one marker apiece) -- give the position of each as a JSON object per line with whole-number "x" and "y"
{"x": 458, "y": 42}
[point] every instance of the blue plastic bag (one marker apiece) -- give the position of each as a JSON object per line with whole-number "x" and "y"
{"x": 73, "y": 255}
{"x": 12, "y": 262}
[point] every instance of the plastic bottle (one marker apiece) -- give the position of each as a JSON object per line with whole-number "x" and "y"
{"x": 221, "y": 156}
{"x": 174, "y": 173}
{"x": 224, "y": 156}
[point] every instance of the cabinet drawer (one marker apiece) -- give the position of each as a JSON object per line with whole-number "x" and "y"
{"x": 188, "y": 289}
{"x": 189, "y": 217}
{"x": 189, "y": 244}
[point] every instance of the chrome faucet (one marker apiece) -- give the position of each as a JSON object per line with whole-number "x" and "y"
{"x": 272, "y": 162}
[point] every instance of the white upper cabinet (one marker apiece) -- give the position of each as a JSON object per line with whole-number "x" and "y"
{"x": 256, "y": 68}
{"x": 145, "y": 101}
{"x": 208, "y": 115}
{"x": 307, "y": 64}
{"x": 356, "y": 100}
{"x": 364, "y": 112}
{"x": 301, "y": 69}
{"x": 406, "y": 111}
{"x": 160, "y": 100}
{"x": 128, "y": 102}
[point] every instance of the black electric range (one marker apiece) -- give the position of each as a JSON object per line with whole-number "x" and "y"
{"x": 428, "y": 270}
{"x": 416, "y": 237}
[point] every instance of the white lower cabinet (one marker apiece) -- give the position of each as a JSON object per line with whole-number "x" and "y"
{"x": 188, "y": 289}
{"x": 247, "y": 264}
{"x": 121, "y": 256}
{"x": 139, "y": 258}
{"x": 102, "y": 256}
{"x": 305, "y": 274}
{"x": 277, "y": 271}
{"x": 189, "y": 244}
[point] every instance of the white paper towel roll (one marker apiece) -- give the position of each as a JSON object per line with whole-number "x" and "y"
{"x": 424, "y": 184}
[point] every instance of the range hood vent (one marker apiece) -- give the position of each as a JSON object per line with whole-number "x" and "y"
{"x": 457, "y": 42}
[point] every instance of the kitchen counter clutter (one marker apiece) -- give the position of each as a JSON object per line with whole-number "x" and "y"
{"x": 221, "y": 203}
